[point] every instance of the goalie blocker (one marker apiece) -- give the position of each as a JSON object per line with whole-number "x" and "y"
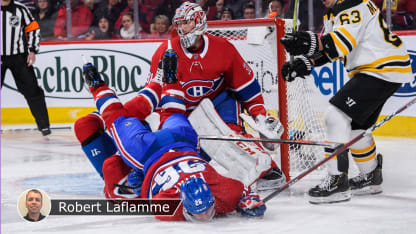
{"x": 247, "y": 162}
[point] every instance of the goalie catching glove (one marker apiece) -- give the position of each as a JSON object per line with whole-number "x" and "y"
{"x": 301, "y": 43}
{"x": 301, "y": 67}
{"x": 91, "y": 75}
{"x": 250, "y": 206}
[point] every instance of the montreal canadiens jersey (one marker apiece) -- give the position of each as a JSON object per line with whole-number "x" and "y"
{"x": 164, "y": 177}
{"x": 205, "y": 74}
{"x": 356, "y": 32}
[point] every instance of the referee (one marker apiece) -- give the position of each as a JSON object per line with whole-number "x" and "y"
{"x": 20, "y": 38}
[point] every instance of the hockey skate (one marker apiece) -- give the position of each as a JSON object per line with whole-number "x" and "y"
{"x": 91, "y": 76}
{"x": 45, "y": 131}
{"x": 368, "y": 183}
{"x": 334, "y": 188}
{"x": 273, "y": 179}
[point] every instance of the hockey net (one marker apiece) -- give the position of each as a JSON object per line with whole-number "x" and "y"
{"x": 297, "y": 104}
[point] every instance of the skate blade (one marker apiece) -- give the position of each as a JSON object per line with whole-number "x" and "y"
{"x": 334, "y": 198}
{"x": 368, "y": 190}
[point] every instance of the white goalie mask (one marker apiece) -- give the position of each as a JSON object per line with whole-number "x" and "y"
{"x": 190, "y": 12}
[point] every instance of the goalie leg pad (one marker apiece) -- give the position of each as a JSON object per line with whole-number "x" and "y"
{"x": 245, "y": 161}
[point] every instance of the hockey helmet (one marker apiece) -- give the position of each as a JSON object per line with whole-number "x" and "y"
{"x": 186, "y": 12}
{"x": 197, "y": 199}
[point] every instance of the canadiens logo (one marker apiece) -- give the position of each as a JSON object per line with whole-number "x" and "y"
{"x": 197, "y": 89}
{"x": 409, "y": 89}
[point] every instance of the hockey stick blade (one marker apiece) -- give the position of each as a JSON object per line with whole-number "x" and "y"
{"x": 279, "y": 141}
{"x": 339, "y": 150}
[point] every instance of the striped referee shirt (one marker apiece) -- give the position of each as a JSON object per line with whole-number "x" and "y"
{"x": 20, "y": 31}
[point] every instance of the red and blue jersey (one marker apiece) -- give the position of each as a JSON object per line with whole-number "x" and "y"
{"x": 163, "y": 180}
{"x": 215, "y": 68}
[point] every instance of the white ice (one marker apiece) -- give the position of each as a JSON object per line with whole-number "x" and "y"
{"x": 59, "y": 167}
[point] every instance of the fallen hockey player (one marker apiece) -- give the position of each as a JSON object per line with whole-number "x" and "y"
{"x": 160, "y": 164}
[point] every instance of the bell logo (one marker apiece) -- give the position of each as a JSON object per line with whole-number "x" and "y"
{"x": 409, "y": 89}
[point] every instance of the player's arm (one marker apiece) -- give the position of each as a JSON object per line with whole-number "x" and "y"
{"x": 310, "y": 50}
{"x": 32, "y": 30}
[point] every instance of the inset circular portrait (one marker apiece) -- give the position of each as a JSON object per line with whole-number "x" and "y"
{"x": 34, "y": 205}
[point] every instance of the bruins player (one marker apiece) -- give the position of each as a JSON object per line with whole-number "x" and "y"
{"x": 377, "y": 63}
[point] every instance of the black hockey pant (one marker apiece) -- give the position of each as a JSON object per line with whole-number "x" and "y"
{"x": 27, "y": 85}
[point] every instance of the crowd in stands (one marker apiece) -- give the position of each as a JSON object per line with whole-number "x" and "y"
{"x": 114, "y": 19}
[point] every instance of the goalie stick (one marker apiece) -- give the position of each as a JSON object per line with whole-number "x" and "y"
{"x": 269, "y": 140}
{"x": 339, "y": 150}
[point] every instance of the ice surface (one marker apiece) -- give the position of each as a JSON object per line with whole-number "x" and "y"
{"x": 59, "y": 167}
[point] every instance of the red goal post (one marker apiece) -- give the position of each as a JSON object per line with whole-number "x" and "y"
{"x": 293, "y": 103}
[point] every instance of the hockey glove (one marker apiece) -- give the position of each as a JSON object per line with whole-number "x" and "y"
{"x": 91, "y": 76}
{"x": 135, "y": 180}
{"x": 300, "y": 67}
{"x": 301, "y": 43}
{"x": 170, "y": 65}
{"x": 273, "y": 129}
{"x": 251, "y": 206}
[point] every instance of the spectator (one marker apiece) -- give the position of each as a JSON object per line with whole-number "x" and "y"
{"x": 127, "y": 30}
{"x": 161, "y": 28}
{"x": 236, "y": 6}
{"x": 403, "y": 13}
{"x": 220, "y": 6}
{"x": 275, "y": 9}
{"x": 145, "y": 16}
{"x": 45, "y": 14}
{"x": 90, "y": 4}
{"x": 103, "y": 31}
{"x": 81, "y": 20}
{"x": 227, "y": 14}
{"x": 30, "y": 4}
{"x": 249, "y": 11}
{"x": 110, "y": 8}
{"x": 167, "y": 7}
{"x": 209, "y": 7}
{"x": 152, "y": 4}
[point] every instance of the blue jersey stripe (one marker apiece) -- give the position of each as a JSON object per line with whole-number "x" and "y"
{"x": 248, "y": 92}
{"x": 150, "y": 95}
{"x": 101, "y": 101}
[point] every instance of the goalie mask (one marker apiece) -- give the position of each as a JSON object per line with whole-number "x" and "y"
{"x": 197, "y": 199}
{"x": 184, "y": 14}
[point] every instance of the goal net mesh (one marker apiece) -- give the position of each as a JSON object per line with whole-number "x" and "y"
{"x": 257, "y": 42}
